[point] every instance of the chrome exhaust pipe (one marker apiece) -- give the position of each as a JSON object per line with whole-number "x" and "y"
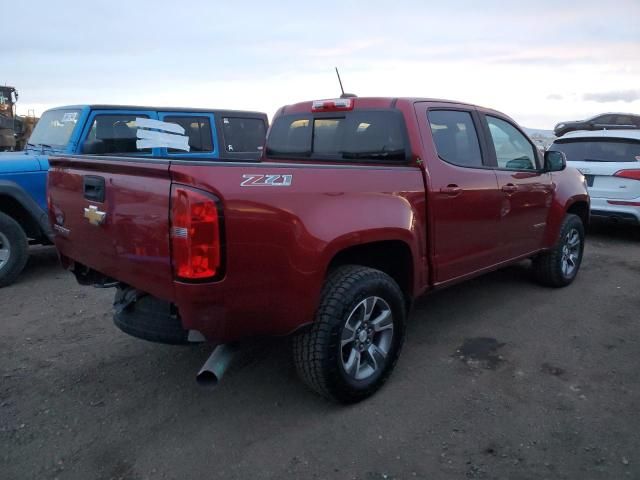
{"x": 213, "y": 369}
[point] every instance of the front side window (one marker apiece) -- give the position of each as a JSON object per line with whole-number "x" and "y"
{"x": 114, "y": 133}
{"x": 513, "y": 150}
{"x": 243, "y": 135}
{"x": 54, "y": 128}
{"x": 605, "y": 119}
{"x": 376, "y": 135}
{"x": 198, "y": 129}
{"x": 455, "y": 137}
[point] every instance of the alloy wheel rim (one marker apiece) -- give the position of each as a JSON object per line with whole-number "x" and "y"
{"x": 366, "y": 338}
{"x": 5, "y": 250}
{"x": 571, "y": 252}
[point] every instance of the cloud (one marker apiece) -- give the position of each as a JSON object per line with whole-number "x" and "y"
{"x": 554, "y": 96}
{"x": 614, "y": 96}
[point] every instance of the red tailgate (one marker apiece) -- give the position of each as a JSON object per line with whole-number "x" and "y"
{"x": 112, "y": 215}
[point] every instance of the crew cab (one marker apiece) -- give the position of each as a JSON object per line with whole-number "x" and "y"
{"x": 105, "y": 129}
{"x": 356, "y": 207}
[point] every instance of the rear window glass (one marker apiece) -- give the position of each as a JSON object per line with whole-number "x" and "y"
{"x": 599, "y": 150}
{"x": 243, "y": 135}
{"x": 364, "y": 134}
{"x": 198, "y": 129}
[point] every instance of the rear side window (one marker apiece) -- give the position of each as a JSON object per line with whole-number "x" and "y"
{"x": 599, "y": 149}
{"x": 623, "y": 120}
{"x": 243, "y": 135}
{"x": 455, "y": 137}
{"x": 114, "y": 134}
{"x": 198, "y": 129}
{"x": 377, "y": 135}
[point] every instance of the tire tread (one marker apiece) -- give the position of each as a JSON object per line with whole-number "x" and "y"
{"x": 310, "y": 346}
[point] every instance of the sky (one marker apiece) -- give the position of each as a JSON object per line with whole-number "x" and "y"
{"x": 537, "y": 61}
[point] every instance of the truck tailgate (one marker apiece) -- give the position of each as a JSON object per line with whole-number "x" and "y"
{"x": 112, "y": 215}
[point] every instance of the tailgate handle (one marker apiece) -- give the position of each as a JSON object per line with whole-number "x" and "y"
{"x": 93, "y": 188}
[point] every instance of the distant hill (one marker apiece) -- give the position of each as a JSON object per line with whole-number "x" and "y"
{"x": 543, "y": 138}
{"x": 539, "y": 131}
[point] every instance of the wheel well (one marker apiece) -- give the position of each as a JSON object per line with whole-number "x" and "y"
{"x": 582, "y": 210}
{"x": 392, "y": 257}
{"x": 13, "y": 208}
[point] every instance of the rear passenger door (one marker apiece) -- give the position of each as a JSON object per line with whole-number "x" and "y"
{"x": 200, "y": 128}
{"x": 526, "y": 190}
{"x": 463, "y": 198}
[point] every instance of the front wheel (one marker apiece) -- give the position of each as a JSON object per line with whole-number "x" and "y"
{"x": 13, "y": 250}
{"x": 559, "y": 266}
{"x": 352, "y": 347}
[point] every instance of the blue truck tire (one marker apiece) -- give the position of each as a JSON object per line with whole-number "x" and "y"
{"x": 13, "y": 249}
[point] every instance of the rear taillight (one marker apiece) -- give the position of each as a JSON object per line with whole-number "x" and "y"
{"x": 195, "y": 234}
{"x": 632, "y": 174}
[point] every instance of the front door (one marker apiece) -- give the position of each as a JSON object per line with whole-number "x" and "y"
{"x": 463, "y": 199}
{"x": 527, "y": 191}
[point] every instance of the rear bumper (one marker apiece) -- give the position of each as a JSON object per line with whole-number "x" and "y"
{"x": 217, "y": 313}
{"x": 603, "y": 210}
{"x": 148, "y": 318}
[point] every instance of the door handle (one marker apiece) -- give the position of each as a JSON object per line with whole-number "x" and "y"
{"x": 509, "y": 188}
{"x": 93, "y": 188}
{"x": 451, "y": 190}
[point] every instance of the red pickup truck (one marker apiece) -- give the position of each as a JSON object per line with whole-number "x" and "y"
{"x": 357, "y": 207}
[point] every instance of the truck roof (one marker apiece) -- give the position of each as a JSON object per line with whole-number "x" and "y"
{"x": 381, "y": 102}
{"x": 161, "y": 109}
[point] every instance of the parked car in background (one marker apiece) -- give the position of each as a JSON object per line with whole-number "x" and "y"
{"x": 609, "y": 121}
{"x": 610, "y": 162}
{"x": 107, "y": 129}
{"x": 358, "y": 206}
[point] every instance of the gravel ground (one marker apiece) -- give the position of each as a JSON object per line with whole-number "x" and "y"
{"x": 499, "y": 378}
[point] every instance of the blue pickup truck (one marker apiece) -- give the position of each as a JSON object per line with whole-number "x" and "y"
{"x": 194, "y": 135}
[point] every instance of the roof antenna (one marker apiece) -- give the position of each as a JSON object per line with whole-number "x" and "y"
{"x": 344, "y": 95}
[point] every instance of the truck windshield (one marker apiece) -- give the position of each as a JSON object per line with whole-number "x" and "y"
{"x": 55, "y": 128}
{"x": 377, "y": 135}
{"x": 599, "y": 150}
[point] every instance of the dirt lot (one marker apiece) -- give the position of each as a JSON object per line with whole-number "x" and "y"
{"x": 548, "y": 386}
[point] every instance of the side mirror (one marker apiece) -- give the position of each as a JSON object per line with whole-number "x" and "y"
{"x": 554, "y": 161}
{"x": 93, "y": 147}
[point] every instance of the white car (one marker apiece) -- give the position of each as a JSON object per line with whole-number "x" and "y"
{"x": 610, "y": 162}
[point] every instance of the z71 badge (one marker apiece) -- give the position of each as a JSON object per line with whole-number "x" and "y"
{"x": 251, "y": 180}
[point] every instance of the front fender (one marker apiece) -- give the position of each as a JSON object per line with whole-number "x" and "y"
{"x": 569, "y": 190}
{"x": 30, "y": 206}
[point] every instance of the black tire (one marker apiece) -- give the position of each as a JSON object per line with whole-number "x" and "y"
{"x": 11, "y": 233}
{"x": 318, "y": 353}
{"x": 548, "y": 266}
{"x": 151, "y": 319}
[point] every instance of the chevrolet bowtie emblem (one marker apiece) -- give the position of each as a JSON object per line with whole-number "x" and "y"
{"x": 95, "y": 216}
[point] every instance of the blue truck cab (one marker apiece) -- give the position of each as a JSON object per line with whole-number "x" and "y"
{"x": 194, "y": 134}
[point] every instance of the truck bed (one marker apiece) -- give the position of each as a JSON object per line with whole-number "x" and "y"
{"x": 282, "y": 224}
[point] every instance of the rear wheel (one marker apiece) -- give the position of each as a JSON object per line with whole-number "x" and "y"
{"x": 354, "y": 343}
{"x": 13, "y": 250}
{"x": 559, "y": 266}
